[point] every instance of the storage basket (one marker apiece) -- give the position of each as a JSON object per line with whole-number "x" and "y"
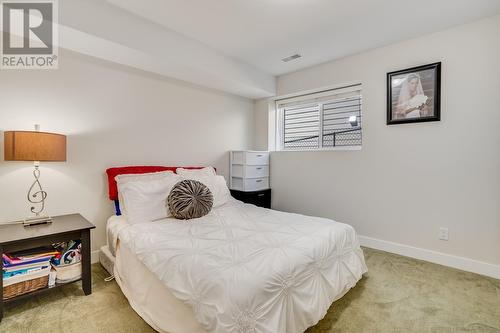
{"x": 25, "y": 287}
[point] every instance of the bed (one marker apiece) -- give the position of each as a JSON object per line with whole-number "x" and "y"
{"x": 241, "y": 268}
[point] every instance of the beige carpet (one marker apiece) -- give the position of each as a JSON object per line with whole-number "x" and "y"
{"x": 397, "y": 295}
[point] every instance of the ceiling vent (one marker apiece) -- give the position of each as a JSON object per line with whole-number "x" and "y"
{"x": 292, "y": 57}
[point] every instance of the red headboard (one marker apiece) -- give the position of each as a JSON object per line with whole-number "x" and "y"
{"x": 113, "y": 172}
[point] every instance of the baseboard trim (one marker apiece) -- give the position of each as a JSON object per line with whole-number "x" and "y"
{"x": 94, "y": 257}
{"x": 465, "y": 264}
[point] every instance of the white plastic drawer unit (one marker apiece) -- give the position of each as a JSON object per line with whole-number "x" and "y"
{"x": 250, "y": 157}
{"x": 249, "y": 170}
{"x": 250, "y": 184}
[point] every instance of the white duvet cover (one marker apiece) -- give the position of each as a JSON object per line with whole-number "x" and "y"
{"x": 242, "y": 268}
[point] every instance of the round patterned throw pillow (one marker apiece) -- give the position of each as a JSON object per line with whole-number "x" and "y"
{"x": 189, "y": 199}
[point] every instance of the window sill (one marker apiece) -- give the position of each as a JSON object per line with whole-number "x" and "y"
{"x": 356, "y": 148}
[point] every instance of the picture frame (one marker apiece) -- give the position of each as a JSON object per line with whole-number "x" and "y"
{"x": 414, "y": 95}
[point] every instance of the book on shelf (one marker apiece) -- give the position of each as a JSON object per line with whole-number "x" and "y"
{"x": 35, "y": 255}
{"x": 25, "y": 277}
{"x": 26, "y": 265}
{"x": 64, "y": 259}
{"x": 24, "y": 270}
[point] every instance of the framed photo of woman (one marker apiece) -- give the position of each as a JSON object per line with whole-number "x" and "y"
{"x": 414, "y": 95}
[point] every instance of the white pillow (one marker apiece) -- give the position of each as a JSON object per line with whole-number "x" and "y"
{"x": 217, "y": 185}
{"x": 141, "y": 176}
{"x": 144, "y": 199}
{"x": 208, "y": 171}
{"x": 132, "y": 177}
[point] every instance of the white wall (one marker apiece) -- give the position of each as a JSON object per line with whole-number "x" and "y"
{"x": 261, "y": 109}
{"x": 408, "y": 180}
{"x": 113, "y": 116}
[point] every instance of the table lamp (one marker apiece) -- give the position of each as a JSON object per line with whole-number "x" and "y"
{"x": 37, "y": 147}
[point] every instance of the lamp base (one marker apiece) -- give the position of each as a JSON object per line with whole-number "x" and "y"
{"x": 37, "y": 220}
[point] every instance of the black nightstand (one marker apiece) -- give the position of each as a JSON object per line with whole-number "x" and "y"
{"x": 260, "y": 198}
{"x": 16, "y": 237}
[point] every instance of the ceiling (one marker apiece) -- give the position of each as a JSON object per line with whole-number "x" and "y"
{"x": 262, "y": 32}
{"x": 98, "y": 29}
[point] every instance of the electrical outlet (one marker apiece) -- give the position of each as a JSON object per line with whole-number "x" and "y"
{"x": 443, "y": 234}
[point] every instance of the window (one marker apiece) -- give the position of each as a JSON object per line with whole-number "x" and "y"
{"x": 322, "y": 120}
